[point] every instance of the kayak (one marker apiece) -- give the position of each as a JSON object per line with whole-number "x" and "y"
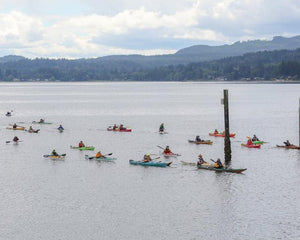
{"x": 54, "y": 157}
{"x": 100, "y": 159}
{"x": 60, "y": 130}
{"x": 170, "y": 154}
{"x": 33, "y": 131}
{"x": 57, "y": 157}
{"x": 188, "y": 163}
{"x": 150, "y": 164}
{"x": 118, "y": 130}
{"x": 221, "y": 135}
{"x": 258, "y": 142}
{"x": 289, "y": 147}
{"x": 211, "y": 167}
{"x": 202, "y": 142}
{"x": 162, "y": 132}
{"x": 41, "y": 122}
{"x": 83, "y": 148}
{"x": 251, "y": 146}
{"x": 8, "y": 114}
{"x": 17, "y": 128}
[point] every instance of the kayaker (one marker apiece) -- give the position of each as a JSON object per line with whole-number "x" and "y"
{"x": 200, "y": 160}
{"x": 255, "y": 138}
{"x": 161, "y": 127}
{"x": 30, "y": 129}
{"x": 60, "y": 127}
{"x": 115, "y": 127}
{"x": 198, "y": 139}
{"x": 54, "y": 153}
{"x": 41, "y": 120}
{"x": 122, "y": 127}
{"x": 249, "y": 142}
{"x": 167, "y": 150}
{"x": 15, "y": 126}
{"x": 15, "y": 139}
{"x": 99, "y": 155}
{"x": 147, "y": 157}
{"x": 287, "y": 143}
{"x": 216, "y": 131}
{"x": 81, "y": 144}
{"x": 218, "y": 164}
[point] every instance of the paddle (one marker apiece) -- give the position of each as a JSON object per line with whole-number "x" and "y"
{"x": 47, "y": 155}
{"x": 103, "y": 155}
{"x": 13, "y": 141}
{"x": 213, "y": 160}
{"x": 160, "y": 147}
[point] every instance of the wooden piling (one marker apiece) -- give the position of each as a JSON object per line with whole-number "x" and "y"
{"x": 227, "y": 145}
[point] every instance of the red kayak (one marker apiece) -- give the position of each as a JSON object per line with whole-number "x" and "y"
{"x": 251, "y": 146}
{"x": 170, "y": 154}
{"x": 221, "y": 135}
{"x": 289, "y": 147}
{"x": 119, "y": 130}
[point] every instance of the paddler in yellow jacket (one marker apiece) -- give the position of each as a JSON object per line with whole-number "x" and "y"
{"x": 218, "y": 164}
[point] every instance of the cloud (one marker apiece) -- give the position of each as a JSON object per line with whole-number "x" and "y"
{"x": 90, "y": 29}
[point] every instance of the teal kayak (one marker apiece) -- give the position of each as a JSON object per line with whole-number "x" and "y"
{"x": 100, "y": 159}
{"x": 91, "y": 148}
{"x": 150, "y": 164}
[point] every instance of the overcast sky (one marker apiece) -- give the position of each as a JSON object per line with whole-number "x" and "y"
{"x": 92, "y": 28}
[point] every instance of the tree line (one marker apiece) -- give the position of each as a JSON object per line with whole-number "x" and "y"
{"x": 265, "y": 65}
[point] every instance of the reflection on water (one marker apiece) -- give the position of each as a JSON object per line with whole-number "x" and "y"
{"x": 84, "y": 199}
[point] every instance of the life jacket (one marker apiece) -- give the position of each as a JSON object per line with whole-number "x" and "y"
{"x": 99, "y": 155}
{"x": 218, "y": 165}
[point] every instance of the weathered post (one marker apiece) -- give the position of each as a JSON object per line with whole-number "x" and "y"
{"x": 227, "y": 145}
{"x": 299, "y": 121}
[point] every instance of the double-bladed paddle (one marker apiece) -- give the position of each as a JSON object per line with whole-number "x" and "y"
{"x": 13, "y": 141}
{"x": 47, "y": 155}
{"x": 103, "y": 155}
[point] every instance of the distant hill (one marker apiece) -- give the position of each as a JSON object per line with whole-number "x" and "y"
{"x": 240, "y": 48}
{"x": 11, "y": 58}
{"x": 200, "y": 53}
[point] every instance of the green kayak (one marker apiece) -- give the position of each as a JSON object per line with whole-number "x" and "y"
{"x": 91, "y": 148}
{"x": 258, "y": 142}
{"x": 100, "y": 159}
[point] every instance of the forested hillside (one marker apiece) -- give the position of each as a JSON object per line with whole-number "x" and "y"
{"x": 261, "y": 65}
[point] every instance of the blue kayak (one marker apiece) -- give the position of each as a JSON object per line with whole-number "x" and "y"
{"x": 151, "y": 163}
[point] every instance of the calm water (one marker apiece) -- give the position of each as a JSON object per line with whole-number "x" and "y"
{"x": 81, "y": 199}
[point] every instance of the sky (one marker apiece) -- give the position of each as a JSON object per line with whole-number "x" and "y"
{"x": 94, "y": 28}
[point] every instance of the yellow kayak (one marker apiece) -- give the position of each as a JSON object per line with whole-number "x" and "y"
{"x": 17, "y": 128}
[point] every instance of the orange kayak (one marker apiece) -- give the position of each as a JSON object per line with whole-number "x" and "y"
{"x": 289, "y": 147}
{"x": 251, "y": 146}
{"x": 221, "y": 135}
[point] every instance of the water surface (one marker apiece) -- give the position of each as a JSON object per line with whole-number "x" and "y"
{"x": 80, "y": 199}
